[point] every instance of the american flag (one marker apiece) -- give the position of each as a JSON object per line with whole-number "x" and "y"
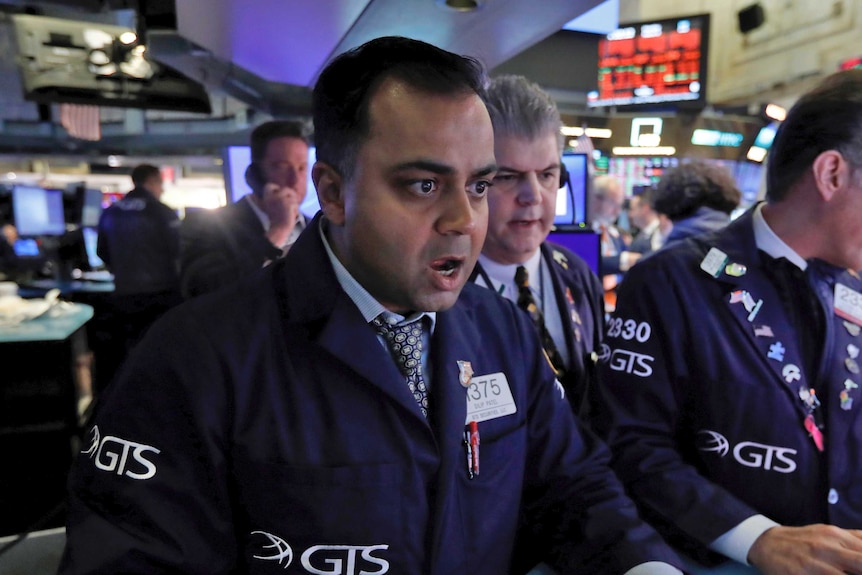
{"x": 81, "y": 121}
{"x": 583, "y": 145}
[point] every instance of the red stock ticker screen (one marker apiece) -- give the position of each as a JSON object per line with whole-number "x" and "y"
{"x": 654, "y": 63}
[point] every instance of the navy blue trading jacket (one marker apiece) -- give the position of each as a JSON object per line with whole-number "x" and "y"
{"x": 705, "y": 394}
{"x": 222, "y": 246}
{"x": 139, "y": 241}
{"x": 264, "y": 429}
{"x": 580, "y": 300}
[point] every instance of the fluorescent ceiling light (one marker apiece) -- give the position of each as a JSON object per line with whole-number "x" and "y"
{"x": 775, "y": 112}
{"x": 576, "y": 132}
{"x": 644, "y": 150}
{"x": 756, "y": 154}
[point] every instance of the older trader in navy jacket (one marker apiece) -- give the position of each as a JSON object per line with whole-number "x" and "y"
{"x": 732, "y": 371}
{"x": 521, "y": 210}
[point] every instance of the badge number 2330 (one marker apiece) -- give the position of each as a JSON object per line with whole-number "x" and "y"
{"x": 489, "y": 397}
{"x": 629, "y": 329}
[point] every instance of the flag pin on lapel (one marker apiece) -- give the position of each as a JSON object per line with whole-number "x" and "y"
{"x": 465, "y": 373}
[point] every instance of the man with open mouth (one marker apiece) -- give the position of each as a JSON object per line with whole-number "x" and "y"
{"x": 355, "y": 407}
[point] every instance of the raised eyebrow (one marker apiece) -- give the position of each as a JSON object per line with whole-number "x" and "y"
{"x": 425, "y": 165}
{"x": 443, "y": 169}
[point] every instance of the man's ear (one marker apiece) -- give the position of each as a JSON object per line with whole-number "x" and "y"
{"x": 831, "y": 173}
{"x": 330, "y": 191}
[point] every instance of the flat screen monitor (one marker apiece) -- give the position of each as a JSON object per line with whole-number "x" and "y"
{"x": 237, "y": 159}
{"x": 37, "y": 211}
{"x": 582, "y": 241}
{"x": 91, "y": 208}
{"x": 81, "y": 62}
{"x": 655, "y": 64}
{"x": 571, "y": 205}
{"x": 640, "y": 171}
{"x": 27, "y": 248}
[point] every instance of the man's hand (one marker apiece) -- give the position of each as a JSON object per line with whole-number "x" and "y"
{"x": 808, "y": 550}
{"x": 628, "y": 259}
{"x": 281, "y": 204}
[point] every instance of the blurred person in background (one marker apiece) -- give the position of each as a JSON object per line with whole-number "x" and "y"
{"x": 8, "y": 258}
{"x": 604, "y": 206}
{"x": 652, "y": 227}
{"x": 697, "y": 197}
{"x": 139, "y": 242}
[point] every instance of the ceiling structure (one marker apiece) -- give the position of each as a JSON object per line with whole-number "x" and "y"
{"x": 255, "y": 58}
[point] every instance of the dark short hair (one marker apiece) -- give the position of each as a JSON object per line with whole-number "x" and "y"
{"x": 521, "y": 108}
{"x": 687, "y": 187}
{"x": 143, "y": 172}
{"x": 346, "y": 86}
{"x": 262, "y": 135}
{"x": 646, "y": 195}
{"x": 829, "y": 117}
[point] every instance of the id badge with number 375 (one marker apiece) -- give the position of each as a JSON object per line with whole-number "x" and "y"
{"x": 489, "y": 397}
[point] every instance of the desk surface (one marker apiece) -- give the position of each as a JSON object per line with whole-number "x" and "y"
{"x": 56, "y": 325}
{"x": 68, "y": 287}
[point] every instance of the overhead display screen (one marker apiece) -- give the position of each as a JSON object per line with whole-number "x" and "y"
{"x": 659, "y": 62}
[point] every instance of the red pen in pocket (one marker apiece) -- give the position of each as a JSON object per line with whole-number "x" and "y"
{"x": 474, "y": 447}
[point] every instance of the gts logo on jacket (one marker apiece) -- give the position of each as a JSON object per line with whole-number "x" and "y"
{"x": 748, "y": 453}
{"x": 111, "y": 453}
{"x": 638, "y": 364}
{"x": 324, "y": 559}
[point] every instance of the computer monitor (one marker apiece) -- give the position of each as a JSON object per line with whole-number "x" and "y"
{"x": 91, "y": 207}
{"x": 658, "y": 63}
{"x": 582, "y": 241}
{"x": 26, "y": 248}
{"x": 571, "y": 207}
{"x": 37, "y": 211}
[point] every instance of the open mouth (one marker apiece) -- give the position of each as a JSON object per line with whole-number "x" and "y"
{"x": 447, "y": 267}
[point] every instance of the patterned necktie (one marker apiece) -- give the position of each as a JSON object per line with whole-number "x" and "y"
{"x": 527, "y": 302}
{"x": 405, "y": 345}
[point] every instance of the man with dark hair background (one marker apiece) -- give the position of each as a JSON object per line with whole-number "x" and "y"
{"x": 698, "y": 197}
{"x": 330, "y": 420}
{"x": 227, "y": 244}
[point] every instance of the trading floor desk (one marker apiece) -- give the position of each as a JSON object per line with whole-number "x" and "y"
{"x": 75, "y": 290}
{"x": 39, "y": 429}
{"x": 101, "y": 330}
